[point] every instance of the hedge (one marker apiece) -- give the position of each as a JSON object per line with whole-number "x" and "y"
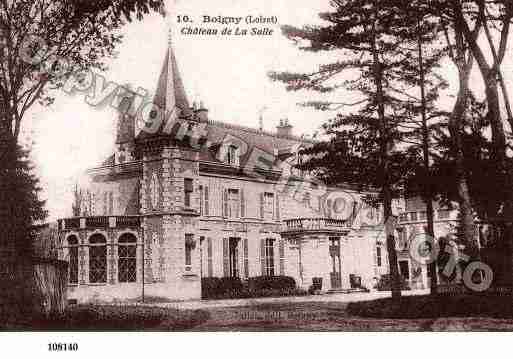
{"x": 262, "y": 286}
{"x": 385, "y": 283}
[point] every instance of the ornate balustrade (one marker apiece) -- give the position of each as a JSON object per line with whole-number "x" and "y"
{"x": 315, "y": 225}
{"x": 100, "y": 222}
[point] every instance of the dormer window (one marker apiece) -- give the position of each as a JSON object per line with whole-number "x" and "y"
{"x": 232, "y": 155}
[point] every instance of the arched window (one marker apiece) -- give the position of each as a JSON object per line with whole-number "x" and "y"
{"x": 73, "y": 259}
{"x": 97, "y": 259}
{"x": 127, "y": 258}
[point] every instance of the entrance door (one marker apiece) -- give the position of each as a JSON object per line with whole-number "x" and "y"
{"x": 336, "y": 277}
{"x": 404, "y": 269}
{"x": 233, "y": 257}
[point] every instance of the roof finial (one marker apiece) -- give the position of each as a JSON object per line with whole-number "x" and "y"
{"x": 170, "y": 36}
{"x": 261, "y": 118}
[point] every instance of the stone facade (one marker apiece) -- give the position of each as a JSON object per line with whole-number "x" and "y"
{"x": 162, "y": 213}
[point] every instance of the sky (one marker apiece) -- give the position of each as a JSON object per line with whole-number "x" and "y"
{"x": 229, "y": 74}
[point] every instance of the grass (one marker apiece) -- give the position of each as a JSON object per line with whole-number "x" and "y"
{"x": 418, "y": 307}
{"x": 411, "y": 313}
{"x": 111, "y": 318}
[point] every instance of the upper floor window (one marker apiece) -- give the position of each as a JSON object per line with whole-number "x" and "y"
{"x": 202, "y": 200}
{"x": 154, "y": 191}
{"x": 188, "y": 190}
{"x": 403, "y": 217}
{"x": 233, "y": 203}
{"x": 422, "y": 215}
{"x": 413, "y": 216}
{"x": 204, "y": 207}
{"x": 268, "y": 205}
{"x": 232, "y": 155}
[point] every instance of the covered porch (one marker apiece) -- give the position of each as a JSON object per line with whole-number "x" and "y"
{"x": 316, "y": 251}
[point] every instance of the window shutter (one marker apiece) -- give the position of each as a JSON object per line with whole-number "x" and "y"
{"x": 226, "y": 253}
{"x": 281, "y": 250}
{"x": 277, "y": 204}
{"x": 246, "y": 259}
{"x": 188, "y": 185}
{"x": 105, "y": 203}
{"x": 262, "y": 205}
{"x": 111, "y": 203}
{"x": 93, "y": 204}
{"x": 206, "y": 201}
{"x": 209, "y": 257}
{"x": 225, "y": 203}
{"x": 242, "y": 204}
{"x": 262, "y": 256}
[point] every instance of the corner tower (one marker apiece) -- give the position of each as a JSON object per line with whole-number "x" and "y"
{"x": 169, "y": 195}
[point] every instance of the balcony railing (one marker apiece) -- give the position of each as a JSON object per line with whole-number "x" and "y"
{"x": 316, "y": 225}
{"x": 100, "y": 222}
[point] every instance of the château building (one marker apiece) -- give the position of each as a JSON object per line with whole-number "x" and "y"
{"x": 200, "y": 198}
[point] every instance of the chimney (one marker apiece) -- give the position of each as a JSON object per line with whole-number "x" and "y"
{"x": 284, "y": 129}
{"x": 125, "y": 128}
{"x": 201, "y": 113}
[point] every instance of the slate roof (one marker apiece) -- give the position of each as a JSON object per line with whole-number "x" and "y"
{"x": 170, "y": 71}
{"x": 170, "y": 89}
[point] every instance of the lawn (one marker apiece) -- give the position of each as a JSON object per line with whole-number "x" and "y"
{"x": 413, "y": 313}
{"x": 307, "y": 316}
{"x": 335, "y": 316}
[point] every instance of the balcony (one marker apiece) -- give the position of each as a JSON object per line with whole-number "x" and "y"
{"x": 315, "y": 225}
{"x": 76, "y": 223}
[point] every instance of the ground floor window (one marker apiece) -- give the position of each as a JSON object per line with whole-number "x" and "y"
{"x": 189, "y": 247}
{"x": 233, "y": 257}
{"x": 269, "y": 257}
{"x": 404, "y": 269}
{"x": 379, "y": 258}
{"x": 97, "y": 259}
{"x": 127, "y": 258}
{"x": 73, "y": 259}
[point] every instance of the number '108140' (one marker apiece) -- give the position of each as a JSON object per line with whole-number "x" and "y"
{"x": 62, "y": 347}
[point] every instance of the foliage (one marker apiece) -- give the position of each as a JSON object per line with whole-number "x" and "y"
{"x": 213, "y": 287}
{"x": 20, "y": 205}
{"x": 72, "y": 36}
{"x": 271, "y": 282}
{"x": 385, "y": 283}
{"x": 261, "y": 286}
{"x": 372, "y": 142}
{"x": 450, "y": 305}
{"x": 112, "y": 317}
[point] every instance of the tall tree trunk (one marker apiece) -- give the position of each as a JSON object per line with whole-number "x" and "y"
{"x": 385, "y": 146}
{"x": 491, "y": 82}
{"x": 427, "y": 193}
{"x": 456, "y": 130}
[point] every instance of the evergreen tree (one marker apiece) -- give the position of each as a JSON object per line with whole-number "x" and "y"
{"x": 20, "y": 205}
{"x": 369, "y": 145}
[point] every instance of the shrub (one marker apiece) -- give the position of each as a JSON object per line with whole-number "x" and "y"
{"x": 218, "y": 288}
{"x": 260, "y": 283}
{"x": 261, "y": 286}
{"x": 385, "y": 283}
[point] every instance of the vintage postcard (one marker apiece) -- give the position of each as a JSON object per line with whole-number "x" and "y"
{"x": 255, "y": 166}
